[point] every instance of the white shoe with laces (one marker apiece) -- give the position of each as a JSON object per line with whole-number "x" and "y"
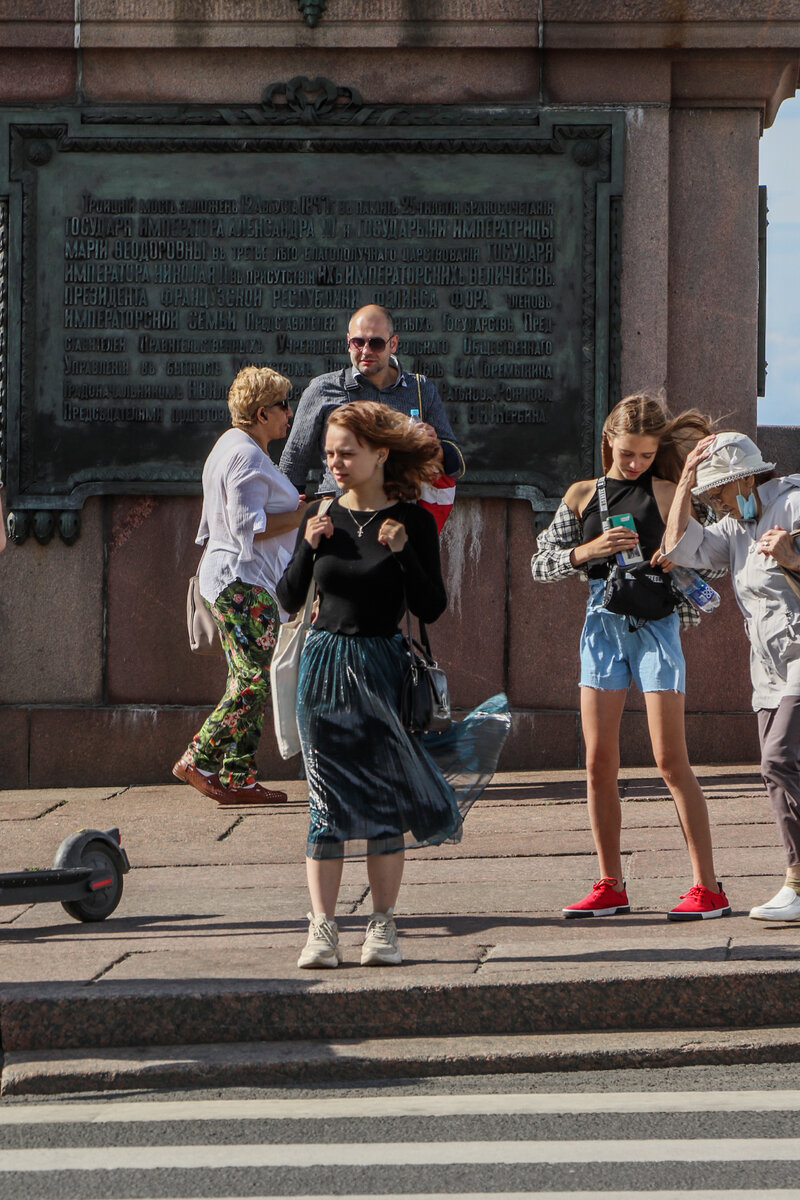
{"x": 322, "y": 946}
{"x": 380, "y": 948}
{"x": 784, "y": 906}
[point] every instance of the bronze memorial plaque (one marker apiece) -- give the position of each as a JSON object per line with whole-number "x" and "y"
{"x": 148, "y": 254}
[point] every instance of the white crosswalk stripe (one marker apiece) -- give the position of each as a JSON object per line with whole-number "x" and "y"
{"x": 144, "y": 1147}
{"x": 393, "y": 1154}
{"x": 330, "y": 1107}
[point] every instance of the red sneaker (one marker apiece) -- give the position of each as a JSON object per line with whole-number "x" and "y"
{"x": 698, "y": 904}
{"x": 602, "y": 901}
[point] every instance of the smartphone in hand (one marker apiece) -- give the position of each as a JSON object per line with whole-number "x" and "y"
{"x": 632, "y": 557}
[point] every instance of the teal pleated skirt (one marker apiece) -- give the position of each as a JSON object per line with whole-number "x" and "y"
{"x": 373, "y": 787}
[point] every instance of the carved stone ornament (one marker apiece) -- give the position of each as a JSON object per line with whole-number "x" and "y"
{"x": 303, "y": 101}
{"x": 312, "y": 10}
{"x": 310, "y": 100}
{"x": 43, "y": 524}
{"x": 18, "y": 525}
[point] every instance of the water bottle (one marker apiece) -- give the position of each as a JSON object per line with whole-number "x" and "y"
{"x": 414, "y": 417}
{"x": 699, "y": 593}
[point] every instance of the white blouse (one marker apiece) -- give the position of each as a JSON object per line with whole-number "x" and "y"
{"x": 241, "y": 485}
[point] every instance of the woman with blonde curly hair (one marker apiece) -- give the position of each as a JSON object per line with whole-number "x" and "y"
{"x": 250, "y": 514}
{"x": 374, "y": 789}
{"x": 643, "y": 450}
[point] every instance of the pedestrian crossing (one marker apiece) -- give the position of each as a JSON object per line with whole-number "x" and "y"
{"x": 568, "y": 1146}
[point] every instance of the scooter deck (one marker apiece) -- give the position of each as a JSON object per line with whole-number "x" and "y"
{"x": 53, "y": 884}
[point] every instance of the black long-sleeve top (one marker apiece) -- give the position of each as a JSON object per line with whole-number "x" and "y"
{"x": 360, "y": 582}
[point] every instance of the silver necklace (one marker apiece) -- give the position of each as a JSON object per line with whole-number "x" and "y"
{"x": 361, "y": 525}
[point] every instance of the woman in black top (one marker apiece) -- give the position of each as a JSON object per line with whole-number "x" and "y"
{"x": 643, "y": 451}
{"x": 373, "y": 788}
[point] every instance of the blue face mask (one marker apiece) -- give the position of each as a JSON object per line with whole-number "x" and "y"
{"x": 748, "y": 509}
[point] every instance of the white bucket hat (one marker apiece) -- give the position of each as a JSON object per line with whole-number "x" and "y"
{"x": 730, "y": 456}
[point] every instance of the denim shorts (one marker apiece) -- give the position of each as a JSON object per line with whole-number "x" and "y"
{"x": 612, "y": 655}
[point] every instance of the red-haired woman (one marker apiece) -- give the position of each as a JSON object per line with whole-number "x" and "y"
{"x": 373, "y": 788}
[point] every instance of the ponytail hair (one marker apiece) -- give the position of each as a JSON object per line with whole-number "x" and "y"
{"x": 644, "y": 415}
{"x": 413, "y": 456}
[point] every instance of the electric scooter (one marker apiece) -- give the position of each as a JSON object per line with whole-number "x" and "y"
{"x": 86, "y": 877}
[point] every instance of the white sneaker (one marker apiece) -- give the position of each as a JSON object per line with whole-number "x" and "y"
{"x": 380, "y": 948}
{"x": 785, "y": 906}
{"x": 322, "y": 947}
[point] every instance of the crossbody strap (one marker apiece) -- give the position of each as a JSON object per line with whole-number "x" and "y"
{"x": 602, "y": 501}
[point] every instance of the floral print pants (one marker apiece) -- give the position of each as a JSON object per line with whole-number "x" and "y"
{"x": 248, "y": 622}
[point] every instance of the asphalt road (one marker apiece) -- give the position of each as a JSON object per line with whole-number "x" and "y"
{"x": 692, "y": 1132}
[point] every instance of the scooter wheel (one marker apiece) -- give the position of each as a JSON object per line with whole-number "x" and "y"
{"x": 100, "y": 904}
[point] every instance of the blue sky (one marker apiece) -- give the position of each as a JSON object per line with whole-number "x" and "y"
{"x": 780, "y": 171}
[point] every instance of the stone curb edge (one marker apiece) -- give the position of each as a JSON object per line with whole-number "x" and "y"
{"x": 731, "y": 998}
{"x": 266, "y": 1064}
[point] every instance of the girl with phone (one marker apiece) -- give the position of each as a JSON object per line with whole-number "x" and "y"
{"x": 643, "y": 451}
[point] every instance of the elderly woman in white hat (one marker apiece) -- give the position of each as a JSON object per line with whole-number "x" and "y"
{"x": 756, "y": 537}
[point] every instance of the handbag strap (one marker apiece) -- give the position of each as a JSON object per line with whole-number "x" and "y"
{"x": 202, "y": 556}
{"x": 602, "y": 501}
{"x": 312, "y": 587}
{"x": 424, "y": 640}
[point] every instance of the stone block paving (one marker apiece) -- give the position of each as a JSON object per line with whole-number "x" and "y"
{"x": 220, "y": 893}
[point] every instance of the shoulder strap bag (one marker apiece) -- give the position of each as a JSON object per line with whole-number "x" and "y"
{"x": 201, "y": 627}
{"x": 641, "y": 593}
{"x": 284, "y": 669}
{"x": 424, "y": 694}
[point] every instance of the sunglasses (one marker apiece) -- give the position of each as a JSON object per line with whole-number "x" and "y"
{"x": 284, "y": 404}
{"x": 376, "y": 344}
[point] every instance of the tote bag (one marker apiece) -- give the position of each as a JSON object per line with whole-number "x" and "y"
{"x": 284, "y": 671}
{"x": 202, "y": 630}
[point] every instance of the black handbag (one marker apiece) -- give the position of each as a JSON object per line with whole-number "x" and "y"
{"x": 640, "y": 592}
{"x": 424, "y": 694}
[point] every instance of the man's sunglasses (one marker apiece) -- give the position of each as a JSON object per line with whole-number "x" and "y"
{"x": 284, "y": 404}
{"x": 377, "y": 344}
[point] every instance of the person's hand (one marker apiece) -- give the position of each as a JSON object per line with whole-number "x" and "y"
{"x": 777, "y": 543}
{"x": 612, "y": 541}
{"x": 317, "y": 527}
{"x": 302, "y": 505}
{"x": 695, "y": 456}
{"x": 661, "y": 560}
{"x": 393, "y": 535}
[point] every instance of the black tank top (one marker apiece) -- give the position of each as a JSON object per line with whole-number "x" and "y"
{"x": 634, "y": 496}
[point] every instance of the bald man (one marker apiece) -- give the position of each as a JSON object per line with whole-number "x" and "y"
{"x": 374, "y": 374}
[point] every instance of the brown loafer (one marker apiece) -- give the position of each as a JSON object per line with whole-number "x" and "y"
{"x": 252, "y": 795}
{"x": 209, "y": 785}
{"x": 181, "y": 769}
